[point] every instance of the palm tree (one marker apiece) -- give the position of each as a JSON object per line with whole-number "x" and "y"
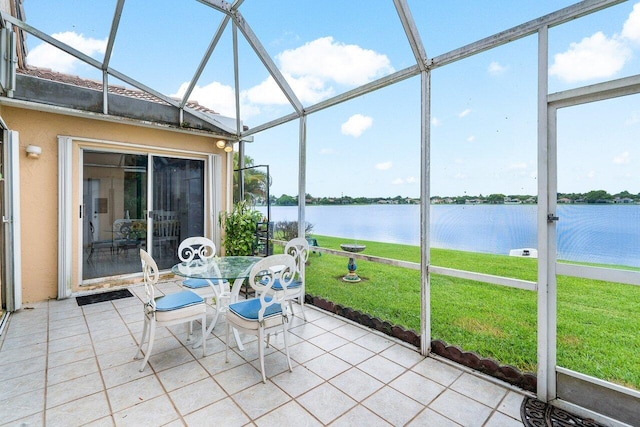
{"x": 255, "y": 182}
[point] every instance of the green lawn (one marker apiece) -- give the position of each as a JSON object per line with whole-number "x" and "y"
{"x": 598, "y": 322}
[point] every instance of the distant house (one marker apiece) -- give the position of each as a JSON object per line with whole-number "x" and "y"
{"x": 565, "y": 200}
{"x": 623, "y": 200}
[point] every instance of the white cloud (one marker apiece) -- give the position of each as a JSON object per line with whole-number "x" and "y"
{"x": 631, "y": 27}
{"x": 464, "y": 113}
{"x": 411, "y": 180}
{"x": 471, "y": 138}
{"x": 622, "y": 159}
{"x": 593, "y": 57}
{"x": 328, "y": 60}
{"x": 384, "y": 166}
{"x": 356, "y": 125}
{"x": 45, "y": 55}
{"x": 460, "y": 175}
{"x": 436, "y": 121}
{"x": 495, "y": 69}
{"x": 218, "y": 97}
{"x": 326, "y": 151}
{"x": 311, "y": 70}
{"x": 397, "y": 181}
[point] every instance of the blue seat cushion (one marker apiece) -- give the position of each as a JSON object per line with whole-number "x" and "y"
{"x": 248, "y": 309}
{"x": 277, "y": 286}
{"x": 196, "y": 283}
{"x": 177, "y": 300}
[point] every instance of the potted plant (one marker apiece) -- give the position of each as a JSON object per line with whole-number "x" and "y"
{"x": 239, "y": 227}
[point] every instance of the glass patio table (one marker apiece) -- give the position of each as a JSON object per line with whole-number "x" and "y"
{"x": 219, "y": 272}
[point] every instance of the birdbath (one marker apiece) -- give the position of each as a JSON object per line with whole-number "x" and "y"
{"x": 352, "y": 277}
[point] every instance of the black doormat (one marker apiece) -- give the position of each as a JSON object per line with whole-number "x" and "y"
{"x": 535, "y": 413}
{"x": 104, "y": 296}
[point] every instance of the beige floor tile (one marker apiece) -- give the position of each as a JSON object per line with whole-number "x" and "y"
{"x": 328, "y": 341}
{"x": 360, "y": 416}
{"x": 22, "y": 384}
{"x": 17, "y": 341}
{"x": 35, "y": 420}
{"x": 297, "y": 382}
{"x": 350, "y": 332}
{"x": 356, "y": 384}
{"x": 78, "y": 412}
{"x": 70, "y": 356}
{"x": 393, "y": 406}
{"x": 260, "y": 399}
{"x": 479, "y": 389}
{"x": 224, "y": 413}
{"x": 431, "y": 419}
{"x": 154, "y": 412}
{"x": 182, "y": 375}
{"x": 307, "y": 330}
{"x": 329, "y": 323}
{"x": 440, "y": 372}
{"x": 461, "y": 409}
{"x": 501, "y": 420}
{"x": 417, "y": 387}
{"x": 381, "y": 368}
{"x": 134, "y": 392}
{"x": 327, "y": 366}
{"x": 374, "y": 342}
{"x": 169, "y": 359}
{"x": 116, "y": 358}
{"x": 511, "y": 404}
{"x": 68, "y": 343}
{"x": 238, "y": 378}
{"x": 122, "y": 374}
{"x": 197, "y": 395}
{"x": 290, "y": 413}
{"x": 304, "y": 352}
{"x": 71, "y": 371}
{"x": 402, "y": 355}
{"x": 11, "y": 355}
{"x": 352, "y": 353}
{"x": 77, "y": 388}
{"x": 77, "y": 329}
{"x": 22, "y": 405}
{"x": 326, "y": 403}
{"x": 17, "y": 369}
{"x": 217, "y": 362}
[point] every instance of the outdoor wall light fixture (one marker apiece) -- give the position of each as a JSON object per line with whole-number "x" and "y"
{"x": 33, "y": 151}
{"x": 228, "y": 147}
{"x": 221, "y": 143}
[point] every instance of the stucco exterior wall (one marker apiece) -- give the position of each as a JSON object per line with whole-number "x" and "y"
{"x": 39, "y": 182}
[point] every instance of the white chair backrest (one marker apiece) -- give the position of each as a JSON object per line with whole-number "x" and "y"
{"x": 196, "y": 247}
{"x": 298, "y": 248}
{"x": 265, "y": 272}
{"x": 150, "y": 276}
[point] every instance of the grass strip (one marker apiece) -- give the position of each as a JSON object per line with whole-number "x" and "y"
{"x": 598, "y": 321}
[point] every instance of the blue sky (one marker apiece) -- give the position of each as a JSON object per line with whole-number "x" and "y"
{"x": 483, "y": 111}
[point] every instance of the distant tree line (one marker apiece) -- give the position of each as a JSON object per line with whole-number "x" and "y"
{"x": 592, "y": 197}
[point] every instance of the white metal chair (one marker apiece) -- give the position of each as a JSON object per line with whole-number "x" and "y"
{"x": 298, "y": 248}
{"x": 266, "y": 313}
{"x": 166, "y": 310}
{"x": 199, "y": 247}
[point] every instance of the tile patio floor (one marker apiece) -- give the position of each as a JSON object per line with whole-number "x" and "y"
{"x": 64, "y": 365}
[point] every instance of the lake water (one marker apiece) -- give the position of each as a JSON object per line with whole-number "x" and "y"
{"x": 608, "y": 234}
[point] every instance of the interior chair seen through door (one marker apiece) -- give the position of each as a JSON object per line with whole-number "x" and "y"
{"x": 166, "y": 310}
{"x": 267, "y": 313}
{"x": 201, "y": 248}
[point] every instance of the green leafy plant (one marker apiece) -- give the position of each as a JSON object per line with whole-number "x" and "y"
{"x": 239, "y": 228}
